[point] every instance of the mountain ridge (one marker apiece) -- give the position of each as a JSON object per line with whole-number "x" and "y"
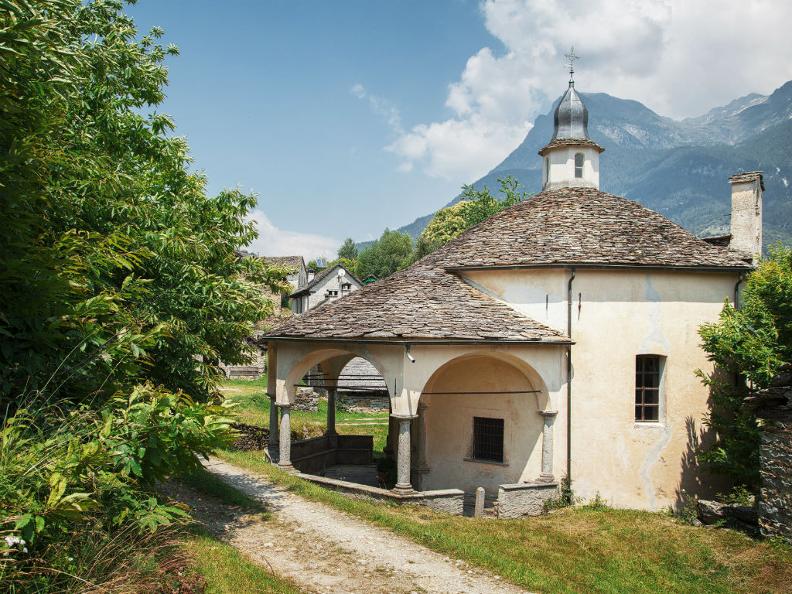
{"x": 679, "y": 168}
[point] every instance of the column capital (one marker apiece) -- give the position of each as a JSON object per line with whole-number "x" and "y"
{"x": 403, "y": 417}
{"x": 548, "y": 413}
{"x": 286, "y": 405}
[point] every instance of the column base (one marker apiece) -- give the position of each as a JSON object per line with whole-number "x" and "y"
{"x": 403, "y": 489}
{"x": 288, "y": 467}
{"x": 547, "y": 478}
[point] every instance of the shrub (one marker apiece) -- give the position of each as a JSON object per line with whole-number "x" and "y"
{"x": 73, "y": 483}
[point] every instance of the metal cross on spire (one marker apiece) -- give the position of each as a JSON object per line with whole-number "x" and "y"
{"x": 571, "y": 57}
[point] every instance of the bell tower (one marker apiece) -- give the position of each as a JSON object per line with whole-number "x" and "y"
{"x": 571, "y": 158}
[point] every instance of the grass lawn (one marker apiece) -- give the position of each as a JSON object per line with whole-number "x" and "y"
{"x": 583, "y": 549}
{"x": 253, "y": 408}
{"x": 224, "y": 569}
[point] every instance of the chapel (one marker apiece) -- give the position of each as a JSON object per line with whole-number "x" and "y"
{"x": 556, "y": 342}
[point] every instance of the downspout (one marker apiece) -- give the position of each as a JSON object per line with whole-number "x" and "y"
{"x": 737, "y": 290}
{"x": 569, "y": 380}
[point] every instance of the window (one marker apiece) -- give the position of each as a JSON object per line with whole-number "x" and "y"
{"x": 546, "y": 169}
{"x": 488, "y": 439}
{"x": 648, "y": 372}
{"x": 579, "y": 158}
{"x": 332, "y": 293}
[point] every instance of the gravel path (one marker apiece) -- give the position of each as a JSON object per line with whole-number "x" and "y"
{"x": 327, "y": 551}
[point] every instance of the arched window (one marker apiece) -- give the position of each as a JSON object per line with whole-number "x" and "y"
{"x": 579, "y": 158}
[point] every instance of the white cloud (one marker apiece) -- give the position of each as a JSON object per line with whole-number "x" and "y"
{"x": 380, "y": 106}
{"x": 679, "y": 57}
{"x": 273, "y": 241}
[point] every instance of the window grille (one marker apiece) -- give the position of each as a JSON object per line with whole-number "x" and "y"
{"x": 488, "y": 439}
{"x": 579, "y": 158}
{"x": 648, "y": 370}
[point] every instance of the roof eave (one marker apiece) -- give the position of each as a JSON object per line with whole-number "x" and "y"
{"x": 414, "y": 341}
{"x": 594, "y": 265}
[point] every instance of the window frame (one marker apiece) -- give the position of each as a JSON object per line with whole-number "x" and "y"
{"x": 477, "y": 449}
{"x": 579, "y": 167}
{"x": 643, "y": 387}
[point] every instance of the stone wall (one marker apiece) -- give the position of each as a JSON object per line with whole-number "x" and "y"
{"x": 524, "y": 499}
{"x": 357, "y": 402}
{"x": 774, "y": 408}
{"x": 306, "y": 399}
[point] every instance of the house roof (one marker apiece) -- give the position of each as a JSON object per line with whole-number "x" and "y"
{"x": 423, "y": 302}
{"x": 289, "y": 261}
{"x": 569, "y": 226}
{"x": 586, "y": 227}
{"x": 321, "y": 276}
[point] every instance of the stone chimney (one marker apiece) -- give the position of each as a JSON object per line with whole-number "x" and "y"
{"x": 746, "y": 213}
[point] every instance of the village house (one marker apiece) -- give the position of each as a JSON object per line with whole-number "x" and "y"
{"x": 558, "y": 339}
{"x": 327, "y": 285}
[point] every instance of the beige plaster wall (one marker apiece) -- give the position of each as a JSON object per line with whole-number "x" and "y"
{"x": 449, "y": 426}
{"x": 616, "y": 316}
{"x": 561, "y": 170}
{"x": 540, "y": 294}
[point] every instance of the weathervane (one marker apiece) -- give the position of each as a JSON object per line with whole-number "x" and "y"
{"x": 571, "y": 57}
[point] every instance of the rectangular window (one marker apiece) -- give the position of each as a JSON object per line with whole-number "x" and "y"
{"x": 488, "y": 439}
{"x": 648, "y": 370}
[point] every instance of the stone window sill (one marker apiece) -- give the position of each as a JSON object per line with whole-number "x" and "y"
{"x": 655, "y": 424}
{"x": 490, "y": 462}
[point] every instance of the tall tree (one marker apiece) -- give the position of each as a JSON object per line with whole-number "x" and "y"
{"x": 475, "y": 207}
{"x": 391, "y": 252}
{"x": 115, "y": 266}
{"x": 348, "y": 250}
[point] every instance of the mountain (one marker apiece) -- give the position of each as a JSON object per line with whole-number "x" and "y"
{"x": 679, "y": 168}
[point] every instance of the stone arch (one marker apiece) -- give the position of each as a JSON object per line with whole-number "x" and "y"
{"x": 488, "y": 386}
{"x": 532, "y": 376}
{"x": 333, "y": 358}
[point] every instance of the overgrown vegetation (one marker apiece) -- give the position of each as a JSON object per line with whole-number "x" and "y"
{"x": 750, "y": 346}
{"x": 575, "y": 549}
{"x": 121, "y": 290}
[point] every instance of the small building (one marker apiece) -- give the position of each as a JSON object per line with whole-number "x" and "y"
{"x": 557, "y": 339}
{"x": 298, "y": 277}
{"x": 327, "y": 285}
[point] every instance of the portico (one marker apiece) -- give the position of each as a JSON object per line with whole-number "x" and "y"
{"x": 437, "y": 391}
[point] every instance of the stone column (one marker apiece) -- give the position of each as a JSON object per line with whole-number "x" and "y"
{"x": 421, "y": 467}
{"x": 403, "y": 455}
{"x": 331, "y": 411}
{"x": 547, "y": 445}
{"x": 273, "y": 428}
{"x": 285, "y": 437}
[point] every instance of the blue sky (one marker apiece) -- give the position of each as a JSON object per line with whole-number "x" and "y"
{"x": 349, "y": 116}
{"x": 264, "y": 93}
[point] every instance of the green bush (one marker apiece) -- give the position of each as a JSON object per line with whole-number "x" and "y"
{"x": 88, "y": 475}
{"x": 749, "y": 347}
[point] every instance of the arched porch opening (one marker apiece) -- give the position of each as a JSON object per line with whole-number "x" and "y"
{"x": 483, "y": 421}
{"x": 344, "y": 449}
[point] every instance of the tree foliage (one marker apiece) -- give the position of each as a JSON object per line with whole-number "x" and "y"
{"x": 391, "y": 252}
{"x": 753, "y": 343}
{"x": 115, "y": 265}
{"x": 121, "y": 286}
{"x": 475, "y": 207}
{"x": 348, "y": 250}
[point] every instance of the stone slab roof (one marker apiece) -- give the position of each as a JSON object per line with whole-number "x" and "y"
{"x": 423, "y": 302}
{"x": 556, "y": 142}
{"x": 587, "y": 227}
{"x": 568, "y": 226}
{"x": 288, "y": 261}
